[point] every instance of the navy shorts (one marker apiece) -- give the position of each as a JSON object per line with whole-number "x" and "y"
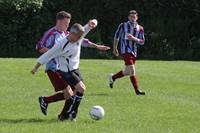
{"x": 73, "y": 77}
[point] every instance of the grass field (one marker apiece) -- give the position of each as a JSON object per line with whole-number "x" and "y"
{"x": 172, "y": 103}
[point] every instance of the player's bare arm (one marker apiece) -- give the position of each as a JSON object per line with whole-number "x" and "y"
{"x": 34, "y": 70}
{"x": 43, "y": 50}
{"x": 118, "y": 34}
{"x": 115, "y": 45}
{"x": 99, "y": 47}
{"x": 43, "y": 59}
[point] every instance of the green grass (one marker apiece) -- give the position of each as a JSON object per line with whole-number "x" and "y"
{"x": 172, "y": 103}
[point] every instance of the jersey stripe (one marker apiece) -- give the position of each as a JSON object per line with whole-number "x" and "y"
{"x": 128, "y": 46}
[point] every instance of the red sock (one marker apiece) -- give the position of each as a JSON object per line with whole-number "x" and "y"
{"x": 54, "y": 98}
{"x": 134, "y": 82}
{"x": 117, "y": 75}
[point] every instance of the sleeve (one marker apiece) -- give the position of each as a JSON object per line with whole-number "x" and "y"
{"x": 118, "y": 32}
{"x": 56, "y": 40}
{"x": 85, "y": 42}
{"x": 141, "y": 36}
{"x": 46, "y": 41}
{"x": 50, "y": 54}
{"x": 87, "y": 30}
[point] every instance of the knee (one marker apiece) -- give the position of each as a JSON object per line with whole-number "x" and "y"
{"x": 126, "y": 72}
{"x": 83, "y": 87}
{"x": 80, "y": 87}
{"x": 132, "y": 72}
{"x": 129, "y": 70}
{"x": 67, "y": 92}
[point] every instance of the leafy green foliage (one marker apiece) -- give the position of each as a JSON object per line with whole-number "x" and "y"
{"x": 171, "y": 27}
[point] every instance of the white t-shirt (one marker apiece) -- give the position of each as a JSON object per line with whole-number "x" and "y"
{"x": 66, "y": 56}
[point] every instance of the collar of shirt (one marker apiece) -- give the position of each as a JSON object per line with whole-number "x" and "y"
{"x": 134, "y": 25}
{"x": 61, "y": 32}
{"x": 74, "y": 43}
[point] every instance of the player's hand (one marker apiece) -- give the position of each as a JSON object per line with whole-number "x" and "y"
{"x": 33, "y": 71}
{"x": 92, "y": 23}
{"x": 115, "y": 52}
{"x": 102, "y": 47}
{"x": 131, "y": 37}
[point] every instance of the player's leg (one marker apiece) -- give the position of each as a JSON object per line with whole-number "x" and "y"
{"x": 118, "y": 75}
{"x": 59, "y": 84}
{"x": 68, "y": 93}
{"x": 122, "y": 73}
{"x": 73, "y": 110}
{"x": 71, "y": 105}
{"x": 113, "y": 77}
{"x": 70, "y": 109}
{"x": 133, "y": 78}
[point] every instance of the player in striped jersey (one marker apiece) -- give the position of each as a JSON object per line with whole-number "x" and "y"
{"x": 51, "y": 37}
{"x": 129, "y": 35}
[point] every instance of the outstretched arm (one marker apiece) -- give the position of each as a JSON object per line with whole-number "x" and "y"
{"x": 46, "y": 57}
{"x": 36, "y": 67}
{"x": 87, "y": 43}
{"x": 89, "y": 26}
{"x": 99, "y": 47}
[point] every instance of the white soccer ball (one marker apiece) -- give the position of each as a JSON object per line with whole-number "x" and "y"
{"x": 97, "y": 112}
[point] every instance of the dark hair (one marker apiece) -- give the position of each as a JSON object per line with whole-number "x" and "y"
{"x": 63, "y": 14}
{"x": 133, "y": 12}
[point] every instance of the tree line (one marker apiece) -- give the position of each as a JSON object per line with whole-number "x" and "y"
{"x": 171, "y": 27}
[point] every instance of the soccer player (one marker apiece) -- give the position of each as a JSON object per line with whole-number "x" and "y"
{"x": 51, "y": 37}
{"x": 67, "y": 55}
{"x": 129, "y": 34}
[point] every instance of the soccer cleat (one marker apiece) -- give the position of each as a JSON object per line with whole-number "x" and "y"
{"x": 62, "y": 117}
{"x": 138, "y": 92}
{"x": 43, "y": 105}
{"x": 72, "y": 116}
{"x": 110, "y": 79}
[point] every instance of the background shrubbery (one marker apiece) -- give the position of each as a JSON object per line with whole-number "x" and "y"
{"x": 171, "y": 27}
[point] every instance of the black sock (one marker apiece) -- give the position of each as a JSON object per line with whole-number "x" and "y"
{"x": 80, "y": 95}
{"x": 67, "y": 105}
{"x": 75, "y": 104}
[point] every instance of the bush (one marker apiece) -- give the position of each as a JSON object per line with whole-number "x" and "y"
{"x": 171, "y": 27}
{"x": 19, "y": 22}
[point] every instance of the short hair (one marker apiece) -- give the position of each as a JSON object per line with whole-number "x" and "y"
{"x": 62, "y": 15}
{"x": 77, "y": 28}
{"x": 132, "y": 12}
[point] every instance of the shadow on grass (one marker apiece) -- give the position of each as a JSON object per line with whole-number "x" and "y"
{"x": 88, "y": 121}
{"x": 98, "y": 94}
{"x": 28, "y": 120}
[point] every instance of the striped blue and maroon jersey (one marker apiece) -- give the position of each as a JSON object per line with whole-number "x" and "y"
{"x": 129, "y": 46}
{"x": 51, "y": 37}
